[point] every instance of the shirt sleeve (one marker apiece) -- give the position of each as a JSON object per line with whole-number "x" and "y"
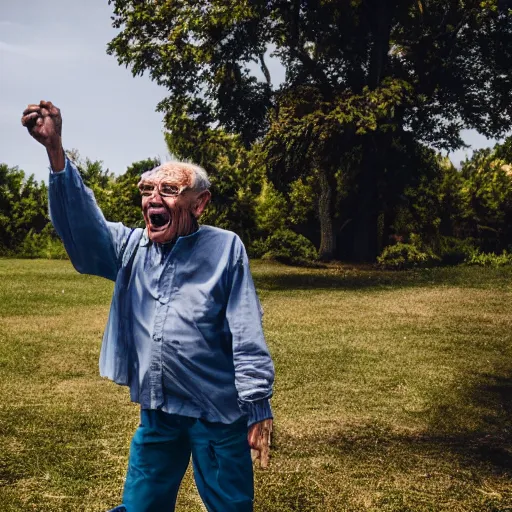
{"x": 92, "y": 243}
{"x": 254, "y": 370}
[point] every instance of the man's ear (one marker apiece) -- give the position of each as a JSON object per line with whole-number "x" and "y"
{"x": 200, "y": 203}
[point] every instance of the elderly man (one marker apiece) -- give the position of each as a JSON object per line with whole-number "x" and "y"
{"x": 184, "y": 331}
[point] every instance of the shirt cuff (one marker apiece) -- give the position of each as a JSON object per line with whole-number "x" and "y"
{"x": 63, "y": 171}
{"x": 257, "y": 411}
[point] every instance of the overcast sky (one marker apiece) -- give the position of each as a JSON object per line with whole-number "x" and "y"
{"x": 55, "y": 50}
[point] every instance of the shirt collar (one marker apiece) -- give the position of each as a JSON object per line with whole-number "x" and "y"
{"x": 145, "y": 241}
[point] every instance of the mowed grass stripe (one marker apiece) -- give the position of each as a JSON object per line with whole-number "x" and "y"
{"x": 393, "y": 391}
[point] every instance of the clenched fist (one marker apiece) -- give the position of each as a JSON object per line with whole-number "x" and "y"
{"x": 44, "y": 123}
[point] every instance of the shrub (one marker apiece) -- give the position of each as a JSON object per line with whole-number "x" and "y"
{"x": 54, "y": 250}
{"x": 30, "y": 247}
{"x": 489, "y": 259}
{"x": 257, "y": 249}
{"x": 453, "y": 251}
{"x": 42, "y": 245}
{"x": 271, "y": 209}
{"x": 402, "y": 256}
{"x": 286, "y": 246}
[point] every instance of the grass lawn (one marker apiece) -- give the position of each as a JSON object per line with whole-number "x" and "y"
{"x": 393, "y": 391}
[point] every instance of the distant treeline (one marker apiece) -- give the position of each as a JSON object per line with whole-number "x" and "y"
{"x": 447, "y": 215}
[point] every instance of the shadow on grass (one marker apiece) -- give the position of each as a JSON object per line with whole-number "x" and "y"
{"x": 451, "y": 465}
{"x": 279, "y": 278}
{"x": 487, "y": 439}
{"x": 491, "y": 441}
{"x": 448, "y": 437}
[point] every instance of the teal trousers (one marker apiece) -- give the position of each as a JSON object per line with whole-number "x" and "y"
{"x": 159, "y": 455}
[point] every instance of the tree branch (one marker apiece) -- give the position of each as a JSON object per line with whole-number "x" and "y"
{"x": 296, "y": 48}
{"x": 264, "y": 69}
{"x": 381, "y": 37}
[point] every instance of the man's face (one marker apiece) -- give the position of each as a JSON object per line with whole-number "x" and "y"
{"x": 169, "y": 206}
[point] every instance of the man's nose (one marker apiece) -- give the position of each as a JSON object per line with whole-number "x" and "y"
{"x": 155, "y": 195}
{"x": 155, "y": 200}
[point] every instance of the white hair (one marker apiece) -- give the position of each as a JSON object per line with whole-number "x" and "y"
{"x": 200, "y": 180}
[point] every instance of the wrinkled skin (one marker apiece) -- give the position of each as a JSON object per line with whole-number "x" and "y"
{"x": 259, "y": 438}
{"x": 44, "y": 123}
{"x": 170, "y": 217}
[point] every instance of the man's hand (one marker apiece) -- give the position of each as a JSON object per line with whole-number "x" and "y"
{"x": 44, "y": 123}
{"x": 259, "y": 441}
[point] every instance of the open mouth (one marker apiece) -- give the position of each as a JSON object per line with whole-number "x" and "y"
{"x": 159, "y": 219}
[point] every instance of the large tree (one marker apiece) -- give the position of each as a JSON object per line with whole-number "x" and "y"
{"x": 363, "y": 78}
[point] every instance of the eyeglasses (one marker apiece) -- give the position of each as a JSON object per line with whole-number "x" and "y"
{"x": 164, "y": 189}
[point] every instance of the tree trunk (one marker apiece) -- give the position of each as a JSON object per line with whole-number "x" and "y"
{"x": 366, "y": 237}
{"x": 381, "y": 28}
{"x": 327, "y": 237}
{"x": 366, "y": 225}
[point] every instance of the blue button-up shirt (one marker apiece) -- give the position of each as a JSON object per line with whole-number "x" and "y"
{"x": 184, "y": 330}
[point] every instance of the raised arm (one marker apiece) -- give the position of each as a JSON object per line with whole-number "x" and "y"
{"x": 92, "y": 243}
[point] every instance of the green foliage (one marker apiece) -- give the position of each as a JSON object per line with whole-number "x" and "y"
{"x": 486, "y": 194}
{"x": 453, "y": 251}
{"x": 271, "y": 210}
{"x": 286, "y": 246}
{"x": 418, "y": 207}
{"x": 275, "y": 213}
{"x": 489, "y": 259}
{"x": 99, "y": 180}
{"x": 204, "y": 53}
{"x": 454, "y": 212}
{"x": 23, "y": 208}
{"x": 403, "y": 256}
{"x": 199, "y": 51}
{"x": 310, "y": 129}
{"x": 45, "y": 244}
{"x": 125, "y": 197}
{"x": 457, "y": 212}
{"x": 302, "y": 200}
